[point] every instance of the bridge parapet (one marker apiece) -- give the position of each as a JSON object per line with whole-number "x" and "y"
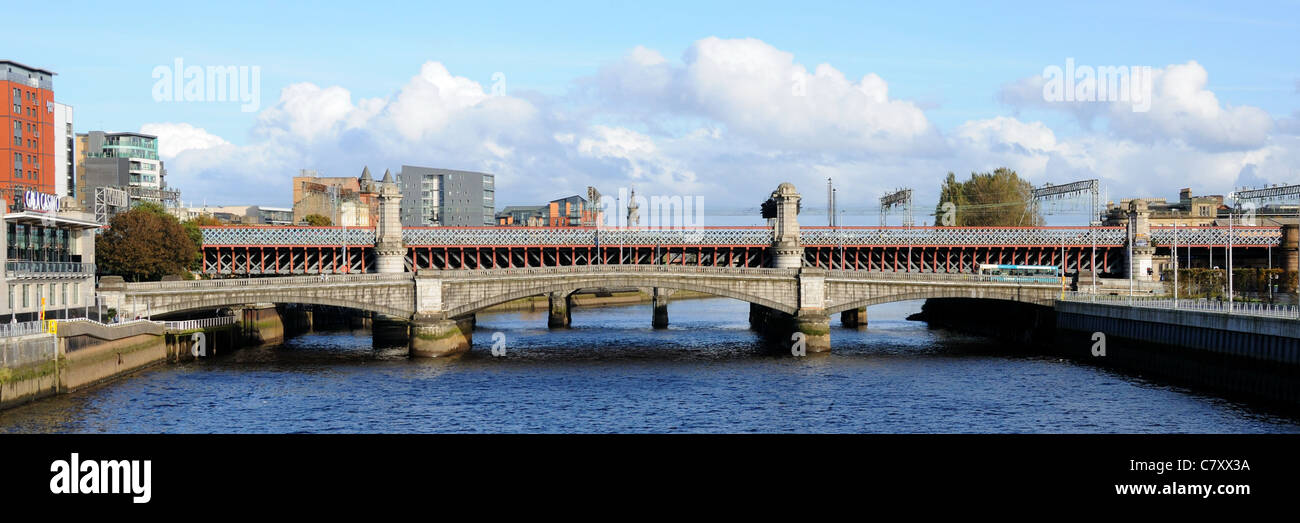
{"x": 259, "y": 283}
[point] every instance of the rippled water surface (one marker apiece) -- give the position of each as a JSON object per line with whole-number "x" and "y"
{"x": 612, "y": 373}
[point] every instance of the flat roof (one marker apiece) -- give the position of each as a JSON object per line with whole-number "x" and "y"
{"x": 28, "y": 67}
{"x": 40, "y": 218}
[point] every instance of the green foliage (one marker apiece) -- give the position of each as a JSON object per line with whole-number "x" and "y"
{"x": 151, "y": 207}
{"x": 999, "y": 198}
{"x": 316, "y": 220}
{"x": 145, "y": 243}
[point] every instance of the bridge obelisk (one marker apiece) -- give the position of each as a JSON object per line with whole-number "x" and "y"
{"x": 1139, "y": 245}
{"x": 390, "y": 252}
{"x": 783, "y": 209}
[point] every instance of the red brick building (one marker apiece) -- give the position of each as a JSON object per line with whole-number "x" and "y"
{"x": 26, "y": 130}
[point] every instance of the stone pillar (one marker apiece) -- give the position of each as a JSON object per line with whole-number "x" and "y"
{"x": 433, "y": 338}
{"x": 390, "y": 252}
{"x": 783, "y": 209}
{"x": 811, "y": 318}
{"x": 854, "y": 318}
{"x": 1139, "y": 222}
{"x": 660, "y": 301}
{"x": 816, "y": 329}
{"x": 561, "y": 307}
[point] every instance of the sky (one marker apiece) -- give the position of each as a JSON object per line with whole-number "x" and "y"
{"x": 717, "y": 100}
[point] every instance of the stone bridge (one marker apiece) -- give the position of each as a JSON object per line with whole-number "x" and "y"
{"x": 440, "y": 304}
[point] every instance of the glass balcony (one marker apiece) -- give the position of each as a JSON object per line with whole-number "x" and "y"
{"x": 44, "y": 269}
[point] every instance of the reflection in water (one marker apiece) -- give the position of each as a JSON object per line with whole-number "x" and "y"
{"x": 612, "y": 372}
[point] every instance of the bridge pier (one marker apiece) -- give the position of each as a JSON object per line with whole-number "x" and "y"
{"x": 261, "y": 324}
{"x": 660, "y": 302}
{"x": 854, "y": 318}
{"x": 389, "y": 331}
{"x": 816, "y": 330}
{"x": 434, "y": 338}
{"x": 781, "y": 328}
{"x": 561, "y": 307}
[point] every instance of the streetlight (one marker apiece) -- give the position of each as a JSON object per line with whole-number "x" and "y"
{"x": 1130, "y": 236}
{"x": 1174, "y": 256}
{"x": 1230, "y": 220}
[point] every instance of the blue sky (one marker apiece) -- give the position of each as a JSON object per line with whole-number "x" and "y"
{"x": 949, "y": 60}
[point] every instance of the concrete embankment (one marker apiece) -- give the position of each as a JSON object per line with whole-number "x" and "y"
{"x": 82, "y": 354}
{"x": 1254, "y": 358}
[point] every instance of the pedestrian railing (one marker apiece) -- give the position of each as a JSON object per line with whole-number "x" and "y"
{"x": 287, "y": 281}
{"x": 219, "y": 321}
{"x": 25, "y": 328}
{"x": 1200, "y": 304}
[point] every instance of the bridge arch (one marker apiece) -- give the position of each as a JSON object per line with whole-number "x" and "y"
{"x": 569, "y": 285}
{"x": 1008, "y": 293}
{"x": 204, "y": 303}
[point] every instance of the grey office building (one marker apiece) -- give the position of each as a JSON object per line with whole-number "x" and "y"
{"x": 446, "y": 197}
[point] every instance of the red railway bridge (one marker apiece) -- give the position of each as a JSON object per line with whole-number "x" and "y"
{"x": 290, "y": 250}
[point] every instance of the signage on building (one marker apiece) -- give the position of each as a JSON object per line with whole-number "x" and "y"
{"x": 40, "y": 202}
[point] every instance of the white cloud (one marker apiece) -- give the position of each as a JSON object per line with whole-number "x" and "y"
{"x": 1181, "y": 109}
{"x": 730, "y": 120}
{"x": 176, "y": 137}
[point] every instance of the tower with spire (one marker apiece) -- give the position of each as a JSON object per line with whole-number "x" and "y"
{"x": 633, "y": 216}
{"x": 390, "y": 252}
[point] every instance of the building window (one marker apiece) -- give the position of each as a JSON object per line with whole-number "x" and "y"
{"x": 26, "y": 299}
{"x": 11, "y": 298}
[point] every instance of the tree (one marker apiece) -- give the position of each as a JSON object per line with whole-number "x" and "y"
{"x": 316, "y": 220}
{"x": 999, "y": 198}
{"x": 145, "y": 243}
{"x": 196, "y": 236}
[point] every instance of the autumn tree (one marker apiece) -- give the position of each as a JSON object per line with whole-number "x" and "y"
{"x": 145, "y": 243}
{"x": 316, "y": 220}
{"x": 999, "y": 198}
{"x": 196, "y": 236}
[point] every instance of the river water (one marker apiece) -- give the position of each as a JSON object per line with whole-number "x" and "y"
{"x": 612, "y": 373}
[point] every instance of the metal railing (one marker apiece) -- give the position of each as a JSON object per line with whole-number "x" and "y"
{"x": 227, "y": 283}
{"x": 219, "y": 321}
{"x": 20, "y": 268}
{"x": 26, "y": 328}
{"x": 1201, "y": 305}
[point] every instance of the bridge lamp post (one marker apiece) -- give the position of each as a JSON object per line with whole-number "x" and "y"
{"x": 1128, "y": 230}
{"x": 1231, "y": 215}
{"x": 843, "y": 240}
{"x": 1174, "y": 255}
